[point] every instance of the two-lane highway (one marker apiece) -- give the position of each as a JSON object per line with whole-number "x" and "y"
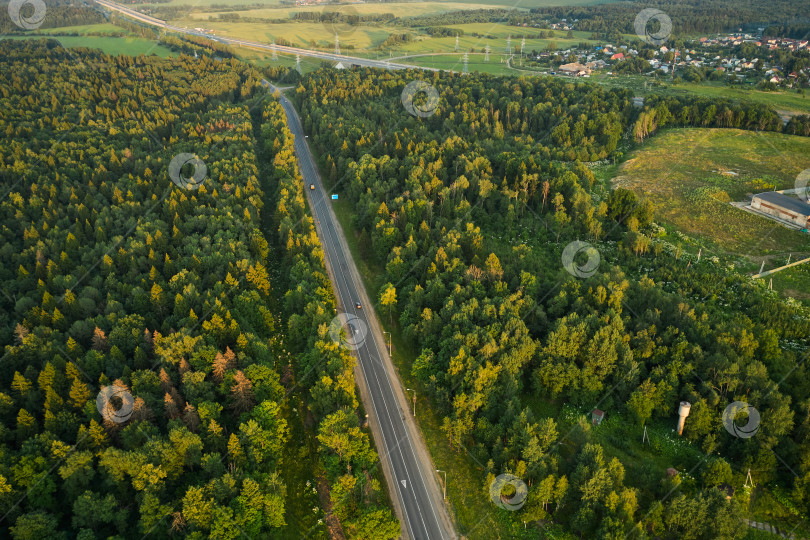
{"x": 345, "y": 59}
{"x": 413, "y": 484}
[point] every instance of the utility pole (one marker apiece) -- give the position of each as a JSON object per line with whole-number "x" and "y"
{"x": 414, "y": 400}
{"x": 444, "y": 486}
{"x": 389, "y": 341}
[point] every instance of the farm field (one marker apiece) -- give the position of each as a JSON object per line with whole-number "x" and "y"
{"x": 110, "y": 45}
{"x": 311, "y": 35}
{"x": 398, "y": 9}
{"x": 368, "y": 36}
{"x": 692, "y": 174}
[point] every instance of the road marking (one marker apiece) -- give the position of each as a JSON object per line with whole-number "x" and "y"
{"x": 404, "y": 483}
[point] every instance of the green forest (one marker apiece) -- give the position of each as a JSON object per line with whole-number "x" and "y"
{"x": 468, "y": 210}
{"x": 147, "y": 366}
{"x": 169, "y": 369}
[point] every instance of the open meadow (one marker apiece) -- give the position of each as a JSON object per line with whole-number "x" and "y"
{"x": 116, "y": 45}
{"x": 691, "y": 175}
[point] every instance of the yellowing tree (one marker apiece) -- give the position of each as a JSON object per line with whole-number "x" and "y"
{"x": 388, "y": 299}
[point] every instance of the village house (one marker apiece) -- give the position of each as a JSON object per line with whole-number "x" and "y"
{"x": 574, "y": 69}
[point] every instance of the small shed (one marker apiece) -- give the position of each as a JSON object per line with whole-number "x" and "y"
{"x": 597, "y": 416}
{"x": 672, "y": 472}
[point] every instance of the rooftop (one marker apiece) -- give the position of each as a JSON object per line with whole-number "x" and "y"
{"x": 785, "y": 201}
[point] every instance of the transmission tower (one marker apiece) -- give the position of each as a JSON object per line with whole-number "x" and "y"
{"x": 522, "y": 44}
{"x": 465, "y": 64}
{"x": 298, "y": 63}
{"x": 456, "y": 42}
{"x": 337, "y": 44}
{"x": 509, "y": 45}
{"x": 275, "y": 54}
{"x": 486, "y": 53}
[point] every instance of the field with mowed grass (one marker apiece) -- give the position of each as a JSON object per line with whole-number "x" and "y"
{"x": 104, "y": 28}
{"x": 691, "y": 175}
{"x": 110, "y": 45}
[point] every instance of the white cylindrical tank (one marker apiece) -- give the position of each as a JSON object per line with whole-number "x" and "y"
{"x": 683, "y": 412}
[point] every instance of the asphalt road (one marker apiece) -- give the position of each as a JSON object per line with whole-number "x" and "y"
{"x": 346, "y": 60}
{"x": 412, "y": 481}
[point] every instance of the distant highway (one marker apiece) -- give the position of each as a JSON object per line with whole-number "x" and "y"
{"x": 412, "y": 481}
{"x": 346, "y": 60}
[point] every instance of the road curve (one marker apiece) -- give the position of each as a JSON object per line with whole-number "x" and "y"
{"x": 366, "y": 62}
{"x": 412, "y": 481}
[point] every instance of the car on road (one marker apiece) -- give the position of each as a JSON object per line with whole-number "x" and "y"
{"x": 312, "y": 186}
{"x": 357, "y": 305}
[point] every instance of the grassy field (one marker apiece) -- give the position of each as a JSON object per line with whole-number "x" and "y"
{"x": 366, "y": 37}
{"x": 262, "y": 59}
{"x": 104, "y": 28}
{"x": 398, "y": 9}
{"x": 691, "y": 174}
{"x": 789, "y": 101}
{"x": 110, "y": 45}
{"x": 781, "y": 100}
{"x": 300, "y": 34}
{"x": 455, "y": 62}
